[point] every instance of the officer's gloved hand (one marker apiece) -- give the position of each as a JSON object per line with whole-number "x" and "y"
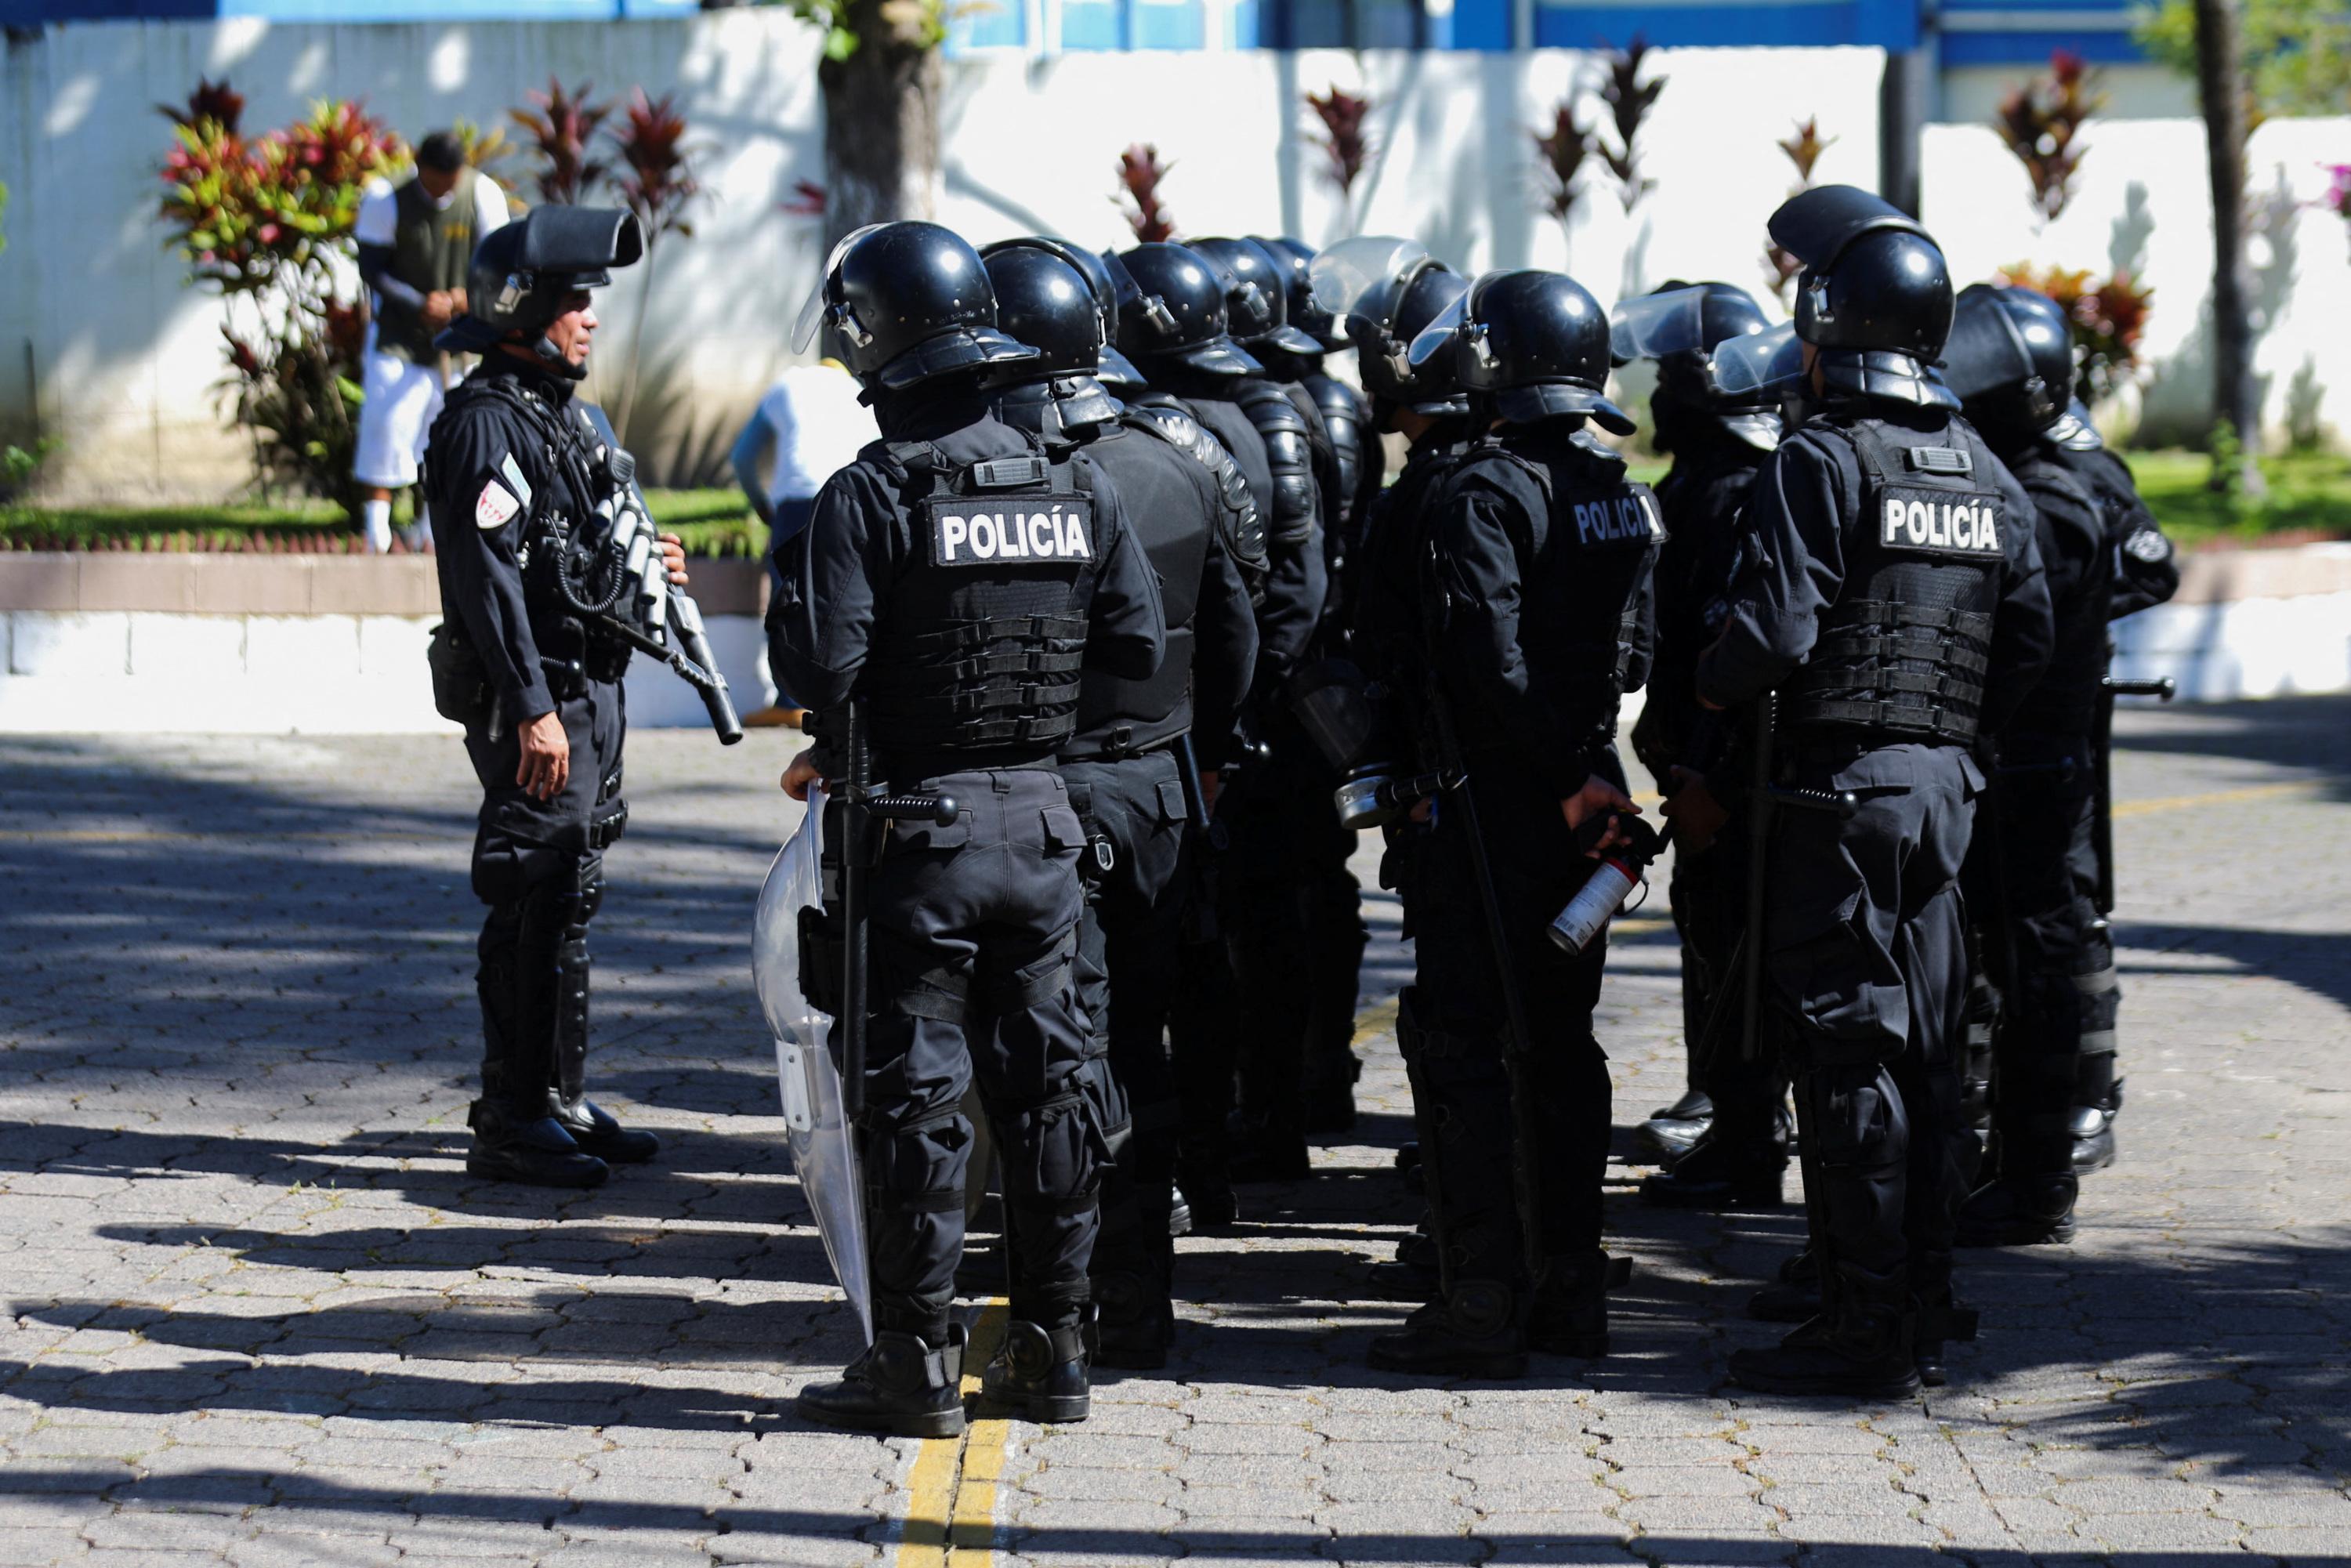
{"x": 1598, "y": 795}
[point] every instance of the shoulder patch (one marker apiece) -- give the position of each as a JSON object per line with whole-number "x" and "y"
{"x": 2148, "y": 544}
{"x": 513, "y": 471}
{"x": 495, "y": 506}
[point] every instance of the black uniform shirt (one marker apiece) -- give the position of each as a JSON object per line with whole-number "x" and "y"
{"x": 2078, "y": 561}
{"x": 1298, "y": 579}
{"x": 837, "y": 572}
{"x": 1701, "y": 498}
{"x": 488, "y": 476}
{"x": 1806, "y": 504}
{"x": 2147, "y": 565}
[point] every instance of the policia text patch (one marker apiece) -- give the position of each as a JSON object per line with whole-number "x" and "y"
{"x": 1010, "y": 532}
{"x": 1921, "y": 521}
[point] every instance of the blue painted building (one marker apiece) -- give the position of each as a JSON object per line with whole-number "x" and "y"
{"x": 1962, "y": 32}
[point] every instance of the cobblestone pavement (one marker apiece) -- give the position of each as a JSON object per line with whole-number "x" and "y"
{"x": 255, "y": 1311}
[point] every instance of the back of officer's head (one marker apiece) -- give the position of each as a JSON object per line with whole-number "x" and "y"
{"x": 911, "y": 304}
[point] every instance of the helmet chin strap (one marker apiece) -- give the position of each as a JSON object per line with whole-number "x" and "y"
{"x": 556, "y": 360}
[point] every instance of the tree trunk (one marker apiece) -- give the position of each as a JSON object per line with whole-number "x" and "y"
{"x": 881, "y": 127}
{"x": 2221, "y": 91}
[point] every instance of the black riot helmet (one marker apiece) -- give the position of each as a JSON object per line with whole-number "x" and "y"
{"x": 2010, "y": 359}
{"x": 1384, "y": 291}
{"x": 1680, "y": 325}
{"x": 1045, "y": 302}
{"x": 1256, "y": 301}
{"x": 1295, "y": 259}
{"x": 1875, "y": 296}
{"x": 1111, "y": 366}
{"x": 907, "y": 302}
{"x": 1534, "y": 343}
{"x": 1171, "y": 309}
{"x": 522, "y": 272}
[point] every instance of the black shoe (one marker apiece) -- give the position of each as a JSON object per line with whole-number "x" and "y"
{"x": 2019, "y": 1211}
{"x": 538, "y": 1152}
{"x": 1938, "y": 1325}
{"x": 594, "y": 1129}
{"x": 1862, "y": 1346}
{"x": 1214, "y": 1209}
{"x": 2094, "y": 1138}
{"x": 1671, "y": 1130}
{"x": 1474, "y": 1333}
{"x": 1570, "y": 1314}
{"x": 1137, "y": 1322}
{"x": 1040, "y": 1372}
{"x": 903, "y": 1386}
{"x": 1713, "y": 1176}
{"x": 1274, "y": 1159}
{"x": 1179, "y": 1218}
{"x": 1400, "y": 1281}
{"x": 1795, "y": 1297}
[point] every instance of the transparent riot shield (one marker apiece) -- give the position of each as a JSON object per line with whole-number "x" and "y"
{"x": 816, "y": 1129}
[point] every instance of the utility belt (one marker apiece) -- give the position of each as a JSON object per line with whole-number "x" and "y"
{"x": 1120, "y": 743}
{"x": 605, "y": 831}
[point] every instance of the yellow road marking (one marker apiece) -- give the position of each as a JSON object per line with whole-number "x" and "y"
{"x": 951, "y": 1504}
{"x": 2217, "y": 798}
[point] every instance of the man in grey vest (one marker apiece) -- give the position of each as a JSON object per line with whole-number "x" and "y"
{"x": 415, "y": 241}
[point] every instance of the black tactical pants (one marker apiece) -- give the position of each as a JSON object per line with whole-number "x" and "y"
{"x": 539, "y": 866}
{"x": 1462, "y": 1077}
{"x": 973, "y": 930}
{"x": 2057, "y": 1029}
{"x": 1709, "y": 901}
{"x": 1866, "y": 984}
{"x": 1130, "y": 948}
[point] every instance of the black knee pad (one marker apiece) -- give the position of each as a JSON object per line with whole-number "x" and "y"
{"x": 1857, "y": 1124}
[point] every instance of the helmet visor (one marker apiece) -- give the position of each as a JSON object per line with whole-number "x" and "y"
{"x": 1760, "y": 362}
{"x": 1436, "y": 338}
{"x": 811, "y": 314}
{"x": 1343, "y": 274}
{"x": 1651, "y": 325}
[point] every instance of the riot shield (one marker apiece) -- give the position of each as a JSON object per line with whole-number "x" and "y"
{"x": 816, "y": 1123}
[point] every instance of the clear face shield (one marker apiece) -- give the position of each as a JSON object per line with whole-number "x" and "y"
{"x": 1447, "y": 328}
{"x": 1651, "y": 326}
{"x": 1374, "y": 269}
{"x": 815, "y": 310}
{"x": 1763, "y": 364}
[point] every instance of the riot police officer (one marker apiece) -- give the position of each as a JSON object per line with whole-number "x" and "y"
{"x": 1724, "y": 1138}
{"x": 516, "y": 464}
{"x": 2010, "y": 360}
{"x": 1896, "y": 599}
{"x": 1537, "y": 621}
{"x": 955, "y": 580}
{"x": 1172, "y": 323}
{"x": 1123, "y": 766}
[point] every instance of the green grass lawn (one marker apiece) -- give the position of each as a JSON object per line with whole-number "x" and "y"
{"x": 2310, "y": 496}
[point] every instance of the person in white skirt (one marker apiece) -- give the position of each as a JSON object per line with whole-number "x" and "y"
{"x": 415, "y": 239}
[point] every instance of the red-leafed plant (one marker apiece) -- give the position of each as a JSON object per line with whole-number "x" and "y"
{"x": 1345, "y": 143}
{"x": 1629, "y": 100}
{"x": 2042, "y": 123}
{"x": 562, "y": 130}
{"x": 1560, "y": 153}
{"x": 268, "y": 222}
{"x": 1803, "y": 150}
{"x": 658, "y": 184}
{"x": 2108, "y": 316}
{"x": 1140, "y": 173}
{"x": 806, "y": 200}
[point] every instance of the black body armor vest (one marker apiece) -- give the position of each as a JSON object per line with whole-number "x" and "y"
{"x": 1584, "y": 575}
{"x": 978, "y": 654}
{"x": 1243, "y": 528}
{"x": 1289, "y": 441}
{"x": 1118, "y": 718}
{"x": 2065, "y": 701}
{"x": 1902, "y": 654}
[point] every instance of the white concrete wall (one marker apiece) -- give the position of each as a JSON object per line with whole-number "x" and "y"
{"x": 132, "y": 671}
{"x": 125, "y": 357}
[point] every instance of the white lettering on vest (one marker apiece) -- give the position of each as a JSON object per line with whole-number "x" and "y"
{"x": 953, "y": 531}
{"x": 983, "y": 536}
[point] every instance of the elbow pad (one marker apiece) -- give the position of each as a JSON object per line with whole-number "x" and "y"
{"x": 1343, "y": 419}
{"x": 1291, "y": 454}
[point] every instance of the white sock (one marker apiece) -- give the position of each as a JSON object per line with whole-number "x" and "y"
{"x": 378, "y": 516}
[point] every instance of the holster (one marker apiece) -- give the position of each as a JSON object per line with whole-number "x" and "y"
{"x": 461, "y": 685}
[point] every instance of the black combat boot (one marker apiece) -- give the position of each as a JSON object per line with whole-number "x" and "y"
{"x": 1137, "y": 1323}
{"x": 1040, "y": 1373}
{"x": 1939, "y": 1317}
{"x": 1475, "y": 1331}
{"x": 1570, "y": 1316}
{"x": 1269, "y": 1149}
{"x": 594, "y": 1129}
{"x": 1412, "y": 1274}
{"x": 1671, "y": 1130}
{"x": 1329, "y": 1103}
{"x": 1794, "y": 1297}
{"x": 1209, "y": 1201}
{"x": 1179, "y": 1218}
{"x": 2094, "y": 1130}
{"x": 1860, "y": 1347}
{"x": 1719, "y": 1174}
{"x": 537, "y": 1150}
{"x": 903, "y": 1386}
{"x": 2019, "y": 1211}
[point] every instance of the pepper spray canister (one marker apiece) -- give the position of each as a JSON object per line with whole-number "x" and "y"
{"x": 1621, "y": 871}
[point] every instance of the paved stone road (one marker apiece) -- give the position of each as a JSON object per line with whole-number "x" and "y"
{"x": 256, "y": 1312}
